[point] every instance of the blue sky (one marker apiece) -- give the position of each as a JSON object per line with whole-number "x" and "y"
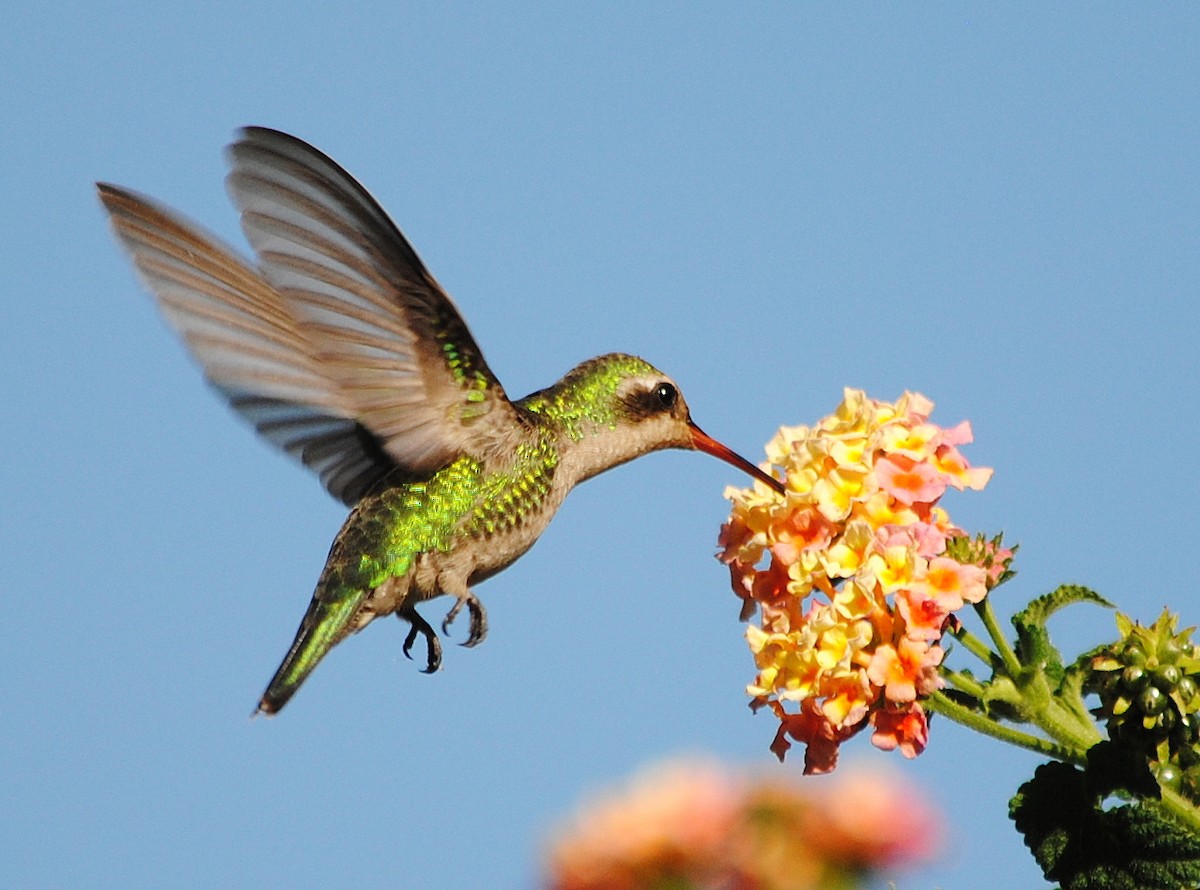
{"x": 997, "y": 206}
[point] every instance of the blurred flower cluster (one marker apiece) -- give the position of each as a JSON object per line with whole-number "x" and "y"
{"x": 694, "y": 825}
{"x": 855, "y": 573}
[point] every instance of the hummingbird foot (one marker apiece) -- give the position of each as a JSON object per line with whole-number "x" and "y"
{"x": 478, "y": 618}
{"x": 433, "y": 646}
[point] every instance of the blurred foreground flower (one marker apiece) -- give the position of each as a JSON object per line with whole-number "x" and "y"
{"x": 695, "y": 825}
{"x": 852, "y": 575}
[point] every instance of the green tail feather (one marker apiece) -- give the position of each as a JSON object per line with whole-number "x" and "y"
{"x": 324, "y": 624}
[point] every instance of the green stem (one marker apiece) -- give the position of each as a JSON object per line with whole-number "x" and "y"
{"x": 975, "y": 646}
{"x": 1063, "y": 724}
{"x": 964, "y": 683}
{"x": 940, "y": 703}
{"x": 1009, "y": 658}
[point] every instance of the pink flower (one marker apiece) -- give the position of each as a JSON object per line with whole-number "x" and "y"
{"x": 905, "y": 670}
{"x": 958, "y": 435}
{"x": 672, "y": 822}
{"x": 733, "y": 537}
{"x": 805, "y": 529}
{"x": 931, "y": 536}
{"x": 906, "y": 729}
{"x": 924, "y": 616}
{"x": 953, "y": 466}
{"x": 1000, "y": 558}
{"x": 907, "y": 481}
{"x": 848, "y": 575}
{"x": 951, "y": 583}
{"x": 816, "y": 732}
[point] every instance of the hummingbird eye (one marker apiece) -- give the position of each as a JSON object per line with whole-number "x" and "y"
{"x": 667, "y": 395}
{"x": 645, "y": 400}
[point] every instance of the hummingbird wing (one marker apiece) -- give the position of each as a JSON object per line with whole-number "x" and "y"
{"x": 341, "y": 348}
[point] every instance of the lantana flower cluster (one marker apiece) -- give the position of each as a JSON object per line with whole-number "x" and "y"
{"x": 695, "y": 824}
{"x": 849, "y": 573}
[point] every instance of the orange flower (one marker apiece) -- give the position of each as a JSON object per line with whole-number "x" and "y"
{"x": 951, "y": 583}
{"x": 910, "y": 481}
{"x": 905, "y": 670}
{"x": 848, "y": 572}
{"x": 924, "y": 616}
{"x": 904, "y": 728}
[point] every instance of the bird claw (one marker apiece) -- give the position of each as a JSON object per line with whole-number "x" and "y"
{"x": 478, "y": 619}
{"x": 433, "y": 646}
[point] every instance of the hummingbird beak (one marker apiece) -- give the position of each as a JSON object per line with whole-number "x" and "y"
{"x": 702, "y": 441}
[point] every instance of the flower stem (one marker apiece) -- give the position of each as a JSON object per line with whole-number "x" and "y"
{"x": 940, "y": 703}
{"x": 965, "y": 683}
{"x": 1066, "y": 726}
{"x": 1009, "y": 658}
{"x": 975, "y": 646}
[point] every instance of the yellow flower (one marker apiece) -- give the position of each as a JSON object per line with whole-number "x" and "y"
{"x": 848, "y": 452}
{"x": 914, "y": 405}
{"x": 837, "y": 567}
{"x": 845, "y": 557}
{"x": 881, "y": 509}
{"x": 836, "y": 491}
{"x": 854, "y": 413}
{"x": 847, "y": 699}
{"x": 917, "y": 442}
{"x": 894, "y": 567}
{"x": 853, "y": 600}
{"x": 837, "y": 640}
{"x": 786, "y": 662}
{"x": 780, "y": 447}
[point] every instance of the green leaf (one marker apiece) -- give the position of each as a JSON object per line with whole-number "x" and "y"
{"x": 1033, "y": 640}
{"x": 1115, "y": 769}
{"x": 1084, "y": 847}
{"x": 1076, "y": 679}
{"x": 1038, "y": 611}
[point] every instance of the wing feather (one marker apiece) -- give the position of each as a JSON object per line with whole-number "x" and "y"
{"x": 340, "y": 348}
{"x": 248, "y": 343}
{"x": 383, "y": 326}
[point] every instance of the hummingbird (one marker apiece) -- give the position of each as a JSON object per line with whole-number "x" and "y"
{"x": 341, "y": 348}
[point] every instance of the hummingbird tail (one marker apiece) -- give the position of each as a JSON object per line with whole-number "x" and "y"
{"x": 328, "y": 620}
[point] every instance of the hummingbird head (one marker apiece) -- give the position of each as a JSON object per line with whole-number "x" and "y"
{"x": 656, "y": 408}
{"x": 623, "y": 407}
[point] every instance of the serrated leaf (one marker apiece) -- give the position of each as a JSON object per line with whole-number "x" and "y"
{"x": 1033, "y": 640}
{"x": 1045, "y": 810}
{"x": 1115, "y": 769}
{"x": 1064, "y": 595}
{"x": 1084, "y": 847}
